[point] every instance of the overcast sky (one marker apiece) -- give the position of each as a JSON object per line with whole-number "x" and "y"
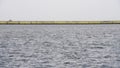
{"x": 64, "y": 10}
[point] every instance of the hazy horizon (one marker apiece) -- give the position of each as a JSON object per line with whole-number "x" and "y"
{"x": 59, "y": 10}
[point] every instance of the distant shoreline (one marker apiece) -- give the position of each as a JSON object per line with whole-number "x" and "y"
{"x": 57, "y": 22}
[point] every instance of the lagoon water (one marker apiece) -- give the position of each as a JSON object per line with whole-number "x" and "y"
{"x": 60, "y": 46}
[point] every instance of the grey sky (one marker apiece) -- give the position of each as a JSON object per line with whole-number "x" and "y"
{"x": 60, "y": 10}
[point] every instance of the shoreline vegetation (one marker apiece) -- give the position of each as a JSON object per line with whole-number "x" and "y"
{"x": 58, "y": 22}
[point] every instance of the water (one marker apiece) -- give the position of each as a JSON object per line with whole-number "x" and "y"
{"x": 59, "y": 46}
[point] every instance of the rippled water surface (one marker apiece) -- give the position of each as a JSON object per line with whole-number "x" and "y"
{"x": 60, "y": 46}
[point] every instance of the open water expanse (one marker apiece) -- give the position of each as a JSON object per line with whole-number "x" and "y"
{"x": 60, "y": 46}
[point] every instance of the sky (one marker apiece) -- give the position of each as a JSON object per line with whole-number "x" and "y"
{"x": 59, "y": 10}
